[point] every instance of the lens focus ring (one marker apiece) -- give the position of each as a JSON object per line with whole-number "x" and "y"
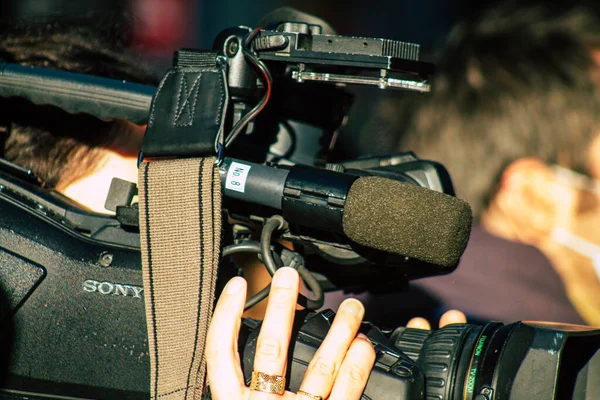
{"x": 439, "y": 359}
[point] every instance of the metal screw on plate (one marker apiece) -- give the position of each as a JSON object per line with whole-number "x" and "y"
{"x": 484, "y": 394}
{"x": 106, "y": 259}
{"x": 232, "y": 47}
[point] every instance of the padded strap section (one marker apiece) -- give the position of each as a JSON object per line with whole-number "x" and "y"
{"x": 75, "y": 93}
{"x": 187, "y": 113}
{"x": 180, "y": 228}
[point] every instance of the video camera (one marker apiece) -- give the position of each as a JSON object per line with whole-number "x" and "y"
{"x": 74, "y": 322}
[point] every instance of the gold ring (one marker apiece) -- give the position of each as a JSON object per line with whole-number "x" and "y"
{"x": 267, "y": 383}
{"x": 312, "y": 396}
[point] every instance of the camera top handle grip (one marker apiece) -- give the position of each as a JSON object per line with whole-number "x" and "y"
{"x": 75, "y": 93}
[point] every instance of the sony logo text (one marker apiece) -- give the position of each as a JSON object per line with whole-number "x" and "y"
{"x": 115, "y": 289}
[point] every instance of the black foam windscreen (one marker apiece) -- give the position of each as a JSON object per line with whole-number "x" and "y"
{"x": 408, "y": 220}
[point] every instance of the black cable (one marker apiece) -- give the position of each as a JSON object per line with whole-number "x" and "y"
{"x": 251, "y": 247}
{"x": 274, "y": 223}
{"x": 244, "y": 247}
{"x": 264, "y": 293}
{"x": 251, "y": 36}
{"x": 273, "y": 262}
{"x": 267, "y": 77}
{"x": 241, "y": 124}
{"x": 258, "y": 297}
{"x": 315, "y": 288}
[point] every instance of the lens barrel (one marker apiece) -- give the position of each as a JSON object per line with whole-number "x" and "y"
{"x": 439, "y": 353}
{"x": 459, "y": 361}
{"x": 497, "y": 361}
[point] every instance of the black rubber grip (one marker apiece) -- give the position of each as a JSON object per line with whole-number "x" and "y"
{"x": 75, "y": 93}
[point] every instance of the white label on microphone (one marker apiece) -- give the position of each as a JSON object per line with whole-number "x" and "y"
{"x": 236, "y": 177}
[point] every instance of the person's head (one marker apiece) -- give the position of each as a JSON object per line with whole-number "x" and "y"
{"x": 517, "y": 91}
{"x": 59, "y": 147}
{"x": 517, "y": 97}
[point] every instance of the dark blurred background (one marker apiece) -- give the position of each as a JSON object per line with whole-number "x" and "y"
{"x": 196, "y": 22}
{"x": 158, "y": 27}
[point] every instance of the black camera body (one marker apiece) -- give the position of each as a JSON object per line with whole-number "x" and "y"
{"x": 73, "y": 318}
{"x": 73, "y": 311}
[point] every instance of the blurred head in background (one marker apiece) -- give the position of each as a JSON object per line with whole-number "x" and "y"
{"x": 514, "y": 115}
{"x": 77, "y": 155}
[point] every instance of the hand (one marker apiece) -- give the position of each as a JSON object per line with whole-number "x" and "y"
{"x": 449, "y": 317}
{"x": 338, "y": 371}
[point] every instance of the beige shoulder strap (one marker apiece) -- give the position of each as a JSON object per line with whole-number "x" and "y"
{"x": 180, "y": 230}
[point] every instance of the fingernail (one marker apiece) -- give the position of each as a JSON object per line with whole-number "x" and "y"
{"x": 354, "y": 307}
{"x": 234, "y": 286}
{"x": 362, "y": 336}
{"x": 285, "y": 278}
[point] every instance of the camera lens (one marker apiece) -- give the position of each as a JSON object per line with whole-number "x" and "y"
{"x": 438, "y": 353}
{"x": 469, "y": 362}
{"x": 459, "y": 361}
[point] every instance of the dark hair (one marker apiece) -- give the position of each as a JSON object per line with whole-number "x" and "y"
{"x": 59, "y": 147}
{"x": 515, "y": 83}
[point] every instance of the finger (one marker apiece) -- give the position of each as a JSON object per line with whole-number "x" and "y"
{"x": 326, "y": 362}
{"x": 452, "y": 317}
{"x": 419, "y": 323}
{"x": 354, "y": 372}
{"x": 223, "y": 368}
{"x": 275, "y": 332}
